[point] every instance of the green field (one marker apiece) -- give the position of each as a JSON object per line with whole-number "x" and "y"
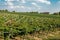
{"x": 29, "y": 26}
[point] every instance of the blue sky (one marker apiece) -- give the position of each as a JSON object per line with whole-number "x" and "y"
{"x": 31, "y": 5}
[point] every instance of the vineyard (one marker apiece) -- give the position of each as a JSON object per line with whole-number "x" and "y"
{"x": 32, "y": 25}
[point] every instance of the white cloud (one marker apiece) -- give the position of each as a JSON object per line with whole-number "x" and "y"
{"x": 25, "y": 7}
{"x": 58, "y": 2}
{"x": 12, "y": 0}
{"x": 22, "y": 7}
{"x": 9, "y": 0}
{"x": 23, "y": 1}
{"x": 44, "y": 1}
{"x": 41, "y": 1}
{"x": 34, "y": 4}
{"x": 16, "y": 6}
{"x": 18, "y": 0}
{"x": 10, "y": 4}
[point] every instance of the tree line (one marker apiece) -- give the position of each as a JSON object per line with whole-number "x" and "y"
{"x": 55, "y": 13}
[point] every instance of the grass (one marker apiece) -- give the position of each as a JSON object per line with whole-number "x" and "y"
{"x": 25, "y": 25}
